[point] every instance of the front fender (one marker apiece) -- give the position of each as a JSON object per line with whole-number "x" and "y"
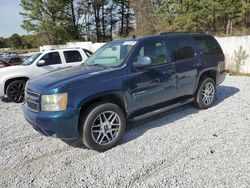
{"x": 118, "y": 94}
{"x": 2, "y": 88}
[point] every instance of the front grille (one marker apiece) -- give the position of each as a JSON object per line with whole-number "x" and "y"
{"x": 32, "y": 100}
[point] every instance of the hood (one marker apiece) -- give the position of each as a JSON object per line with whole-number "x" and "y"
{"x": 12, "y": 70}
{"x": 67, "y": 78}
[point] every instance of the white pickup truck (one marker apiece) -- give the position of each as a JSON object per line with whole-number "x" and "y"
{"x": 13, "y": 79}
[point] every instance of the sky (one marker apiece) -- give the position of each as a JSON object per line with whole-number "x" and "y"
{"x": 10, "y": 19}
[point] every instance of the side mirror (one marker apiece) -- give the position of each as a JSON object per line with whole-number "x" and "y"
{"x": 40, "y": 63}
{"x": 142, "y": 61}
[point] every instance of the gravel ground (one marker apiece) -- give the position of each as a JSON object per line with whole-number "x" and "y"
{"x": 185, "y": 147}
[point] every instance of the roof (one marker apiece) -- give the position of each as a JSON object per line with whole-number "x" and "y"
{"x": 166, "y": 34}
{"x": 182, "y": 33}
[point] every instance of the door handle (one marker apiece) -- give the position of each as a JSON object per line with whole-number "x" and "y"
{"x": 197, "y": 65}
{"x": 167, "y": 72}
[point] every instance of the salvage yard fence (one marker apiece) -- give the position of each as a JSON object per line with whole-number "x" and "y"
{"x": 87, "y": 45}
{"x": 230, "y": 46}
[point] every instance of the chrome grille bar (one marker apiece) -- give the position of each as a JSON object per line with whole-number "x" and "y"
{"x": 32, "y": 100}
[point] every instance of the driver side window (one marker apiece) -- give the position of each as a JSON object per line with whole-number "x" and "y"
{"x": 156, "y": 51}
{"x": 51, "y": 58}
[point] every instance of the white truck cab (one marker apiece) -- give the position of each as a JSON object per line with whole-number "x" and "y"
{"x": 13, "y": 78}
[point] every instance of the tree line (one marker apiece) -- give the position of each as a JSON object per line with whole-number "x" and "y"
{"x": 60, "y": 21}
{"x": 20, "y": 42}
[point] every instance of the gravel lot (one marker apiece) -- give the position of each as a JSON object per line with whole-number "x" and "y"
{"x": 185, "y": 147}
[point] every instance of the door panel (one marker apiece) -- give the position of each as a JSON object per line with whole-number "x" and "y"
{"x": 187, "y": 73}
{"x": 156, "y": 83}
{"x": 52, "y": 62}
{"x": 187, "y": 64}
{"x": 152, "y": 86}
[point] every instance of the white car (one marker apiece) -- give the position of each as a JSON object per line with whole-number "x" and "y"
{"x": 13, "y": 79}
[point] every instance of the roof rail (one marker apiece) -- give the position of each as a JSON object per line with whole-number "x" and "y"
{"x": 65, "y": 48}
{"x": 183, "y": 32}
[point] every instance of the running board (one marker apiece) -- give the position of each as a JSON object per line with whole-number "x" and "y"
{"x": 158, "y": 111}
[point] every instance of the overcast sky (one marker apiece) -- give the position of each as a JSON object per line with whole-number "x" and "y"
{"x": 10, "y": 20}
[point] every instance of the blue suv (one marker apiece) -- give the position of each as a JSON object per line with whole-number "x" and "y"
{"x": 125, "y": 80}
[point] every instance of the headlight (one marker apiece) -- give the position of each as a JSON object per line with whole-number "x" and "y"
{"x": 55, "y": 102}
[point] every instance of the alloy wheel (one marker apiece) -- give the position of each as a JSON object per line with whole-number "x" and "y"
{"x": 208, "y": 93}
{"x": 16, "y": 91}
{"x": 105, "y": 127}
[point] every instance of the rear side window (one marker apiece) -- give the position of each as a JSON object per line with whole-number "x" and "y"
{"x": 72, "y": 56}
{"x": 52, "y": 58}
{"x": 208, "y": 45}
{"x": 181, "y": 49}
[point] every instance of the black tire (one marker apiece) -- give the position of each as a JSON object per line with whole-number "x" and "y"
{"x": 15, "y": 91}
{"x": 93, "y": 127}
{"x": 200, "y": 99}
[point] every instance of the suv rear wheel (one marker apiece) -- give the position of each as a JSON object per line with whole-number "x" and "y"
{"x": 103, "y": 126}
{"x": 206, "y": 93}
{"x": 15, "y": 91}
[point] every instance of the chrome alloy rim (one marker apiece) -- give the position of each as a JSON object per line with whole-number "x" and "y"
{"x": 208, "y": 93}
{"x": 106, "y": 127}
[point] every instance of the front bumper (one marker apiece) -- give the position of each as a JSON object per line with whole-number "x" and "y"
{"x": 221, "y": 77}
{"x": 62, "y": 125}
{"x": 2, "y": 94}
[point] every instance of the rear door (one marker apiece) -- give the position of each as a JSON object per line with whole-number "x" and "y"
{"x": 156, "y": 83}
{"x": 187, "y": 64}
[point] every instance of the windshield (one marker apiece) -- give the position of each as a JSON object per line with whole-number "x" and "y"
{"x": 31, "y": 59}
{"x": 112, "y": 54}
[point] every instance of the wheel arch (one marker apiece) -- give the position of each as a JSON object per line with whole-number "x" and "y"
{"x": 115, "y": 97}
{"x": 210, "y": 73}
{"x": 8, "y": 81}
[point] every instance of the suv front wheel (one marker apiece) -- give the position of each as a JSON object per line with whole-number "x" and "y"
{"x": 103, "y": 126}
{"x": 206, "y": 93}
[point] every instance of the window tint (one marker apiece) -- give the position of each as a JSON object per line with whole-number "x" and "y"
{"x": 207, "y": 45}
{"x": 72, "y": 56}
{"x": 52, "y": 58}
{"x": 156, "y": 50}
{"x": 182, "y": 49}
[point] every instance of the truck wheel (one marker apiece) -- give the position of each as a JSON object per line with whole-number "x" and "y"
{"x": 206, "y": 93}
{"x": 103, "y": 126}
{"x": 15, "y": 91}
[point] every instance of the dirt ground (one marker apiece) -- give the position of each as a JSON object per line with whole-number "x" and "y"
{"x": 185, "y": 147}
